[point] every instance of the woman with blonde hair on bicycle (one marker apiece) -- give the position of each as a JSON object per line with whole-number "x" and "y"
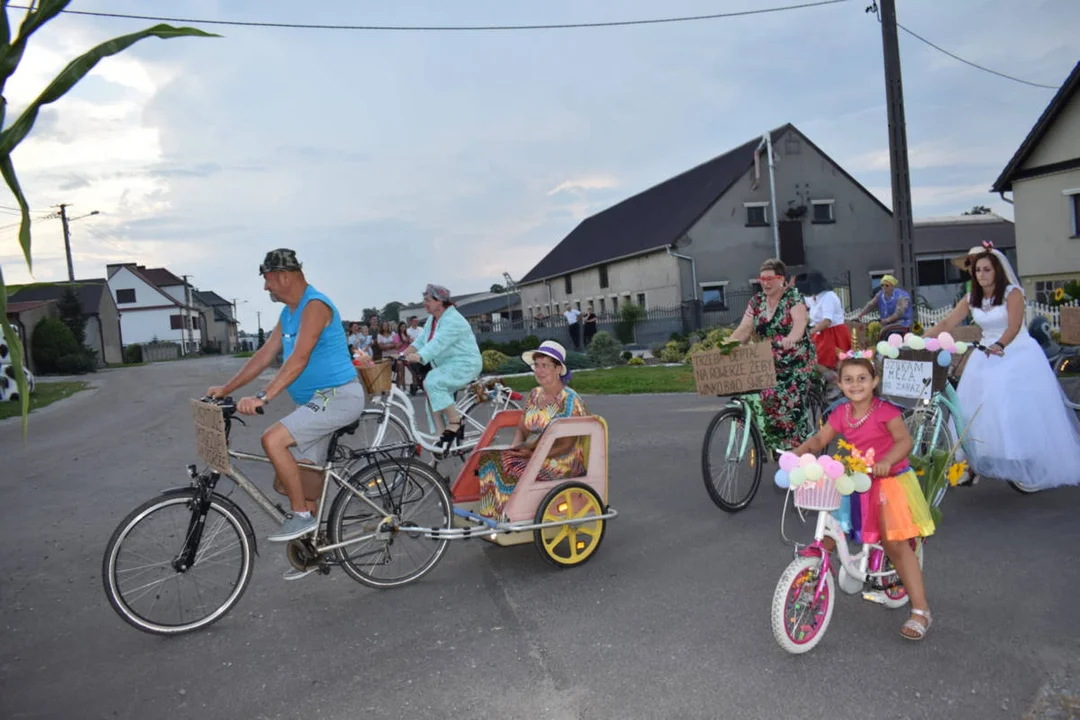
{"x": 778, "y": 314}
{"x": 1020, "y": 428}
{"x": 448, "y": 344}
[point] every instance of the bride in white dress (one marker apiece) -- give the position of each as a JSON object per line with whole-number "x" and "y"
{"x": 1023, "y": 432}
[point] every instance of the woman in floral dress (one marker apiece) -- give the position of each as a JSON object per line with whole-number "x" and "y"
{"x": 778, "y": 314}
{"x": 500, "y": 470}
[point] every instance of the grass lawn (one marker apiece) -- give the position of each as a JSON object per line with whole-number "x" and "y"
{"x": 243, "y": 354}
{"x": 624, "y": 380}
{"x": 44, "y": 394}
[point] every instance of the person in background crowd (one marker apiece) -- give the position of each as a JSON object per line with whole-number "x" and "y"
{"x": 590, "y": 321}
{"x": 572, "y": 315}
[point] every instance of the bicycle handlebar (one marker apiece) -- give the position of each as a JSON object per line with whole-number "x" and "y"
{"x": 227, "y": 405}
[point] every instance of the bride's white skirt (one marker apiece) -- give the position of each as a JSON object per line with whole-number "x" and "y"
{"x": 1023, "y": 431}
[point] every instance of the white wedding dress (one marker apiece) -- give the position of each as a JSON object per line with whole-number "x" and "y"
{"x": 1023, "y": 432}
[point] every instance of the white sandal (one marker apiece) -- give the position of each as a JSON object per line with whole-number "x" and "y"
{"x": 915, "y": 626}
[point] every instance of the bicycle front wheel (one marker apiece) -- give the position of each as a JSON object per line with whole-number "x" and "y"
{"x": 384, "y": 551}
{"x": 144, "y": 575}
{"x": 731, "y": 460}
{"x": 798, "y": 621}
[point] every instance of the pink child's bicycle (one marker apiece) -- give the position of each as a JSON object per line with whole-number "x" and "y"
{"x": 803, "y": 601}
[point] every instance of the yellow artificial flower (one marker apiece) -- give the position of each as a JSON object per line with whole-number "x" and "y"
{"x": 921, "y": 472}
{"x": 1059, "y": 294}
{"x": 956, "y": 472}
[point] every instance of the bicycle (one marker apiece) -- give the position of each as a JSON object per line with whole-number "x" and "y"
{"x": 803, "y": 601}
{"x": 365, "y": 530}
{"x": 932, "y": 424}
{"x": 743, "y": 445}
{"x": 479, "y": 396}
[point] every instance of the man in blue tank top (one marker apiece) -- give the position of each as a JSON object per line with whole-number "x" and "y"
{"x": 318, "y": 375}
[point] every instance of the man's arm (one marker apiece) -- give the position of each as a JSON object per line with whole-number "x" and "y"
{"x": 901, "y": 308}
{"x": 313, "y": 321}
{"x": 868, "y": 306}
{"x": 254, "y": 366}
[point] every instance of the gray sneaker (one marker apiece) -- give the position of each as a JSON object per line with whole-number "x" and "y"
{"x": 294, "y": 527}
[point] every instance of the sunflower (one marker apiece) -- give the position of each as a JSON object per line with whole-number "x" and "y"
{"x": 1059, "y": 294}
{"x": 956, "y": 472}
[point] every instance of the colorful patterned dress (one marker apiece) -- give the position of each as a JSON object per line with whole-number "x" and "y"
{"x": 786, "y": 422}
{"x": 499, "y": 471}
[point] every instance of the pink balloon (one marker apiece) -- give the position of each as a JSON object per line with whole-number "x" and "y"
{"x": 807, "y": 460}
{"x": 933, "y": 344}
{"x": 945, "y": 339}
{"x": 835, "y": 469}
{"x": 788, "y": 460}
{"x": 896, "y": 340}
{"x": 949, "y": 346}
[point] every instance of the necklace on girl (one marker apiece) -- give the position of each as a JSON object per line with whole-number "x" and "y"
{"x": 852, "y": 423}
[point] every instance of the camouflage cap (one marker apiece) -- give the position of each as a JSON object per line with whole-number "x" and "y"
{"x": 280, "y": 259}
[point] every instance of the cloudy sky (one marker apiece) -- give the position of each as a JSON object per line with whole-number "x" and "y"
{"x": 470, "y": 153}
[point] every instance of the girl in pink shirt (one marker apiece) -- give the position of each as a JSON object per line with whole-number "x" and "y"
{"x": 894, "y": 510}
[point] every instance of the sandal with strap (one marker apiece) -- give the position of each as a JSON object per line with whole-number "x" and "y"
{"x": 915, "y": 626}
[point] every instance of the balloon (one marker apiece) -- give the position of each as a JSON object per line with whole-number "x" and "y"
{"x": 917, "y": 343}
{"x": 796, "y": 477}
{"x": 895, "y": 340}
{"x": 883, "y": 348}
{"x": 894, "y": 352}
{"x": 861, "y": 482}
{"x": 844, "y": 485}
{"x": 835, "y": 469}
{"x": 788, "y": 460}
{"x": 907, "y": 338}
{"x": 781, "y": 479}
{"x": 807, "y": 460}
{"x": 814, "y": 472}
{"x": 944, "y": 358}
{"x": 945, "y": 339}
{"x": 961, "y": 347}
{"x": 933, "y": 344}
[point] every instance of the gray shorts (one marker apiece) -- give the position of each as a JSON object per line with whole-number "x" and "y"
{"x": 312, "y": 423}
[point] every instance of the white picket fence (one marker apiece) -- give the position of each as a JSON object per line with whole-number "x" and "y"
{"x": 929, "y": 318}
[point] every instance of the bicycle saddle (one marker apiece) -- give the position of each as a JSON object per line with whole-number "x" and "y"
{"x": 348, "y": 429}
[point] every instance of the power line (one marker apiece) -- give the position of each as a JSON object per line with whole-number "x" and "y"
{"x": 449, "y": 28}
{"x": 954, "y": 56}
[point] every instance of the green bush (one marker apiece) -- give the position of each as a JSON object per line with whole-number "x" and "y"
{"x": 52, "y": 340}
{"x": 713, "y": 338}
{"x": 673, "y": 352}
{"x": 635, "y": 361}
{"x": 629, "y": 316}
{"x": 133, "y": 354}
{"x": 578, "y": 361}
{"x": 531, "y": 342}
{"x": 493, "y": 359}
{"x": 604, "y": 350}
{"x": 75, "y": 364}
{"x": 626, "y": 355}
{"x": 512, "y": 366}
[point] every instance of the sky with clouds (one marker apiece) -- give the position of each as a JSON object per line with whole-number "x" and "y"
{"x": 389, "y": 160}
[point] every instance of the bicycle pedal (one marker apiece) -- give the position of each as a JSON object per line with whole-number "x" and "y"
{"x": 874, "y": 597}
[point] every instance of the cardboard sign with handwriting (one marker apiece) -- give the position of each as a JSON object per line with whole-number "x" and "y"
{"x": 1070, "y": 325}
{"x": 210, "y": 439}
{"x": 746, "y": 369}
{"x": 907, "y": 378}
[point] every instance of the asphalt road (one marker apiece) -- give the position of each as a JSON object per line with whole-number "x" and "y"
{"x": 669, "y": 619}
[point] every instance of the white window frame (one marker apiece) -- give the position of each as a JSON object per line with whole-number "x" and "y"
{"x": 1073, "y": 194}
{"x": 718, "y": 283}
{"x": 878, "y": 274}
{"x": 832, "y": 211}
{"x": 760, "y": 204}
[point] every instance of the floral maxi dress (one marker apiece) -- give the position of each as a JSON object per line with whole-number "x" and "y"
{"x": 499, "y": 471}
{"x": 783, "y": 406}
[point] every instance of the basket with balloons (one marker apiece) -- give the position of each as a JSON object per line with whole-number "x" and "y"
{"x": 819, "y": 483}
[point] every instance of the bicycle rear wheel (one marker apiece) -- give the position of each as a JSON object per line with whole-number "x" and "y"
{"x": 144, "y": 575}
{"x": 731, "y": 460}
{"x": 413, "y": 495}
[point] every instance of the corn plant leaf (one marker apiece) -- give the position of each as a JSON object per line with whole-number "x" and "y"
{"x": 7, "y": 169}
{"x": 15, "y": 350}
{"x": 11, "y": 52}
{"x": 77, "y": 69}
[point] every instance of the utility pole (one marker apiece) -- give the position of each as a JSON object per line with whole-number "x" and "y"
{"x": 67, "y": 241}
{"x": 898, "y": 154}
{"x": 187, "y": 310}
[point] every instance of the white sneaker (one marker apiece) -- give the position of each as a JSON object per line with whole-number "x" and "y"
{"x": 294, "y": 574}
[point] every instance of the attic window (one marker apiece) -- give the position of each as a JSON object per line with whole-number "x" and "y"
{"x": 823, "y": 211}
{"x": 125, "y": 296}
{"x": 757, "y": 213}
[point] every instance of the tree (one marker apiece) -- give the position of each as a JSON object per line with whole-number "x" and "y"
{"x": 977, "y": 210}
{"x": 498, "y": 289}
{"x": 11, "y": 54}
{"x": 392, "y": 311}
{"x": 368, "y": 312}
{"x": 261, "y": 339}
{"x": 71, "y": 312}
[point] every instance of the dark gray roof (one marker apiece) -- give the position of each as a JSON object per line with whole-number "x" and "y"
{"x": 206, "y": 298}
{"x": 491, "y": 305}
{"x": 961, "y": 233}
{"x": 1012, "y": 171}
{"x": 89, "y": 293}
{"x": 214, "y": 299}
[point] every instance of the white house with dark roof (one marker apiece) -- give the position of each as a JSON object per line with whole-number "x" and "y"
{"x": 1044, "y": 179}
{"x": 704, "y": 233}
{"x": 148, "y": 312}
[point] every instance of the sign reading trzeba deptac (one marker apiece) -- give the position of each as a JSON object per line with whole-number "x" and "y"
{"x": 210, "y": 438}
{"x": 907, "y": 378}
{"x": 745, "y": 369}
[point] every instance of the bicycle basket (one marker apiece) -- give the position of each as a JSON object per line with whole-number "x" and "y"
{"x": 820, "y": 496}
{"x": 376, "y": 378}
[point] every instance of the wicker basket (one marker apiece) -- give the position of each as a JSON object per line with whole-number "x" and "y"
{"x": 822, "y": 496}
{"x": 376, "y": 378}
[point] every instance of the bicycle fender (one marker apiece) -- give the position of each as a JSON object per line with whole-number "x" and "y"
{"x": 249, "y": 530}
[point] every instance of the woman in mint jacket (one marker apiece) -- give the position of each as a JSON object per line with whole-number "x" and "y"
{"x": 449, "y": 345}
